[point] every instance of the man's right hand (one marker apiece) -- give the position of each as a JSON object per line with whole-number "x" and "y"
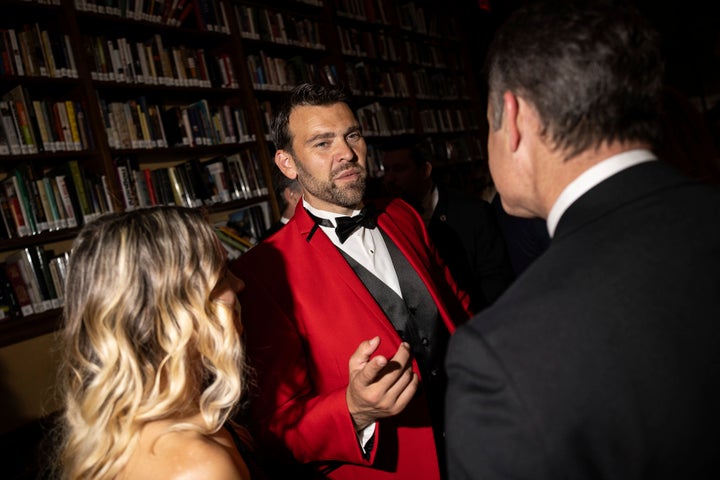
{"x": 379, "y": 388}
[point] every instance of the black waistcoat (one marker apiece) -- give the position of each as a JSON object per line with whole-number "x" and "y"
{"x": 416, "y": 319}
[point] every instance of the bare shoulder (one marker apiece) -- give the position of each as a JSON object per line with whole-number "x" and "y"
{"x": 210, "y": 457}
{"x": 186, "y": 455}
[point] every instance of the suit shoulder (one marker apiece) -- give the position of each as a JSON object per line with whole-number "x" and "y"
{"x": 397, "y": 207}
{"x": 266, "y": 253}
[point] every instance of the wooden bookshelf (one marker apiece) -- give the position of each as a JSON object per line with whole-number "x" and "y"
{"x": 197, "y": 67}
{"x": 222, "y": 65}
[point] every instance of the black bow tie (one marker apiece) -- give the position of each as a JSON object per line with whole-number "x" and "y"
{"x": 347, "y": 225}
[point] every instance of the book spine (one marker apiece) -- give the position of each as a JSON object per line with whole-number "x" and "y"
{"x": 79, "y": 182}
{"x": 24, "y": 200}
{"x": 177, "y": 191}
{"x": 16, "y": 54}
{"x": 57, "y": 215}
{"x": 10, "y": 128}
{"x": 51, "y": 219}
{"x": 22, "y": 295}
{"x": 14, "y": 201}
{"x": 147, "y": 174}
{"x": 72, "y": 212}
{"x": 72, "y": 121}
{"x": 31, "y": 282}
{"x": 38, "y": 262}
{"x": 125, "y": 178}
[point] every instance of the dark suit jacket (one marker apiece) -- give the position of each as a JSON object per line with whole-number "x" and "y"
{"x": 273, "y": 228}
{"x": 602, "y": 361}
{"x": 525, "y": 238}
{"x": 465, "y": 231}
{"x": 305, "y": 312}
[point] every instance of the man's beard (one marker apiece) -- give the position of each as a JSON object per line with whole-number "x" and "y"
{"x": 349, "y": 195}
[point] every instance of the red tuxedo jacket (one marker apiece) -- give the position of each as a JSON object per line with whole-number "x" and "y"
{"x": 305, "y": 312}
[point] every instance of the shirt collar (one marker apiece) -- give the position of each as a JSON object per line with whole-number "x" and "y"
{"x": 591, "y": 177}
{"x": 326, "y": 214}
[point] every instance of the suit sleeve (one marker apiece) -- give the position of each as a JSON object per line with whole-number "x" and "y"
{"x": 490, "y": 434}
{"x": 292, "y": 422}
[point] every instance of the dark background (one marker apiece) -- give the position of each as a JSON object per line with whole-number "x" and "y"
{"x": 690, "y": 38}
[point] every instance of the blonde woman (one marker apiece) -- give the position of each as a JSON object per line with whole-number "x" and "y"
{"x": 153, "y": 364}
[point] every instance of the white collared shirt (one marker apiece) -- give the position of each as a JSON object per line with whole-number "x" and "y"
{"x": 591, "y": 177}
{"x": 365, "y": 245}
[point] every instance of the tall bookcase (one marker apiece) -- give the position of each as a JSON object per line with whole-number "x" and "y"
{"x": 124, "y": 105}
{"x": 165, "y": 88}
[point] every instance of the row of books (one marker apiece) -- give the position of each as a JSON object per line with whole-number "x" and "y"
{"x": 35, "y": 51}
{"x": 193, "y": 183}
{"x": 29, "y": 126}
{"x": 275, "y": 73}
{"x": 376, "y": 11}
{"x": 438, "y": 85}
{"x": 363, "y": 43}
{"x": 280, "y": 74}
{"x": 32, "y": 281}
{"x": 374, "y": 80}
{"x": 150, "y": 62}
{"x": 451, "y": 150}
{"x": 379, "y": 45}
{"x": 414, "y": 19}
{"x": 383, "y": 121}
{"x": 410, "y": 16}
{"x": 210, "y": 15}
{"x": 136, "y": 124}
{"x": 243, "y": 229}
{"x": 66, "y": 196}
{"x": 447, "y": 120}
{"x": 278, "y": 27}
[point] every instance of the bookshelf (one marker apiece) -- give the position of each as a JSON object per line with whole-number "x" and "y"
{"x": 407, "y": 65}
{"x": 141, "y": 103}
{"x": 112, "y": 106}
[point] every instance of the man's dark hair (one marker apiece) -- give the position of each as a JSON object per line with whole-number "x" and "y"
{"x": 303, "y": 94}
{"x": 592, "y": 70}
{"x": 281, "y": 182}
{"x": 420, "y": 155}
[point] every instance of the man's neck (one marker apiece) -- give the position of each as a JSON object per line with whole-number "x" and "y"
{"x": 326, "y": 212}
{"x": 331, "y": 208}
{"x": 558, "y": 172}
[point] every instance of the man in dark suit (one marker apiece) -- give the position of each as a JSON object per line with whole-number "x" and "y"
{"x": 602, "y": 361}
{"x": 288, "y": 194}
{"x": 463, "y": 228}
{"x": 346, "y": 327}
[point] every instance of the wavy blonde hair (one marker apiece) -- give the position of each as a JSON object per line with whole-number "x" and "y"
{"x": 143, "y": 339}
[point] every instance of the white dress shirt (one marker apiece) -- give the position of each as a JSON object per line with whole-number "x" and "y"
{"x": 364, "y": 245}
{"x": 591, "y": 177}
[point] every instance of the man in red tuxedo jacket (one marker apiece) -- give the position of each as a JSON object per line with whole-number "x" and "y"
{"x": 346, "y": 335}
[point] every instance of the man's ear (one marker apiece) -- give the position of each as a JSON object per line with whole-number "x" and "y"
{"x": 511, "y": 112}
{"x": 285, "y": 163}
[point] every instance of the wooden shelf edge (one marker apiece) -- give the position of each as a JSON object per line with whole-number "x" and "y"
{"x": 16, "y": 331}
